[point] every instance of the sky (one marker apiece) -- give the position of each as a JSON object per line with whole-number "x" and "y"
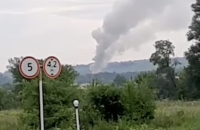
{"x": 63, "y": 28}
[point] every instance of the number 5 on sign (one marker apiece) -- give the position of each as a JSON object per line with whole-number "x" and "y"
{"x": 29, "y": 67}
{"x": 52, "y": 67}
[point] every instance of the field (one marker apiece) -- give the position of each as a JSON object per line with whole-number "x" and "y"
{"x": 169, "y": 116}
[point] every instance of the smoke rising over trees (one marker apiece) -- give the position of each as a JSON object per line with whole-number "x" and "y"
{"x": 132, "y": 23}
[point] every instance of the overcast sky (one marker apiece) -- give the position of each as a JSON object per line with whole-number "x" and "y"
{"x": 62, "y": 28}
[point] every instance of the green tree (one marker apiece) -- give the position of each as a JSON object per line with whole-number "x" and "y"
{"x": 149, "y": 77}
{"x": 119, "y": 80}
{"x": 193, "y": 53}
{"x": 139, "y": 101}
{"x": 134, "y": 102}
{"x": 185, "y": 91}
{"x": 13, "y": 68}
{"x": 162, "y": 58}
{"x": 7, "y": 99}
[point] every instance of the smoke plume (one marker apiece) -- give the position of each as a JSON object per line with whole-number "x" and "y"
{"x": 135, "y": 22}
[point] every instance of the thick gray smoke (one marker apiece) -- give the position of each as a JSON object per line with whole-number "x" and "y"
{"x": 135, "y": 22}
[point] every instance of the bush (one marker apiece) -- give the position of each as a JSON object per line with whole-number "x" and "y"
{"x": 138, "y": 101}
{"x": 134, "y": 102}
{"x": 7, "y": 99}
{"x": 106, "y": 100}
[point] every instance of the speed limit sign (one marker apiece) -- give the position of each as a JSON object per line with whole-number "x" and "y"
{"x": 29, "y": 67}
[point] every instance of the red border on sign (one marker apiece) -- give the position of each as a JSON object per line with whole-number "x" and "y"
{"x": 44, "y": 69}
{"x": 22, "y": 73}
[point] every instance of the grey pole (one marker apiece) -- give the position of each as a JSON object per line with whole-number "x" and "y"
{"x": 76, "y": 104}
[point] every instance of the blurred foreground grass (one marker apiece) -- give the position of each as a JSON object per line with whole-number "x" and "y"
{"x": 169, "y": 116}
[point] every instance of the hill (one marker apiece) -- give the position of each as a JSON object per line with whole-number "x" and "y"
{"x": 5, "y": 78}
{"x": 127, "y": 66}
{"x": 127, "y": 69}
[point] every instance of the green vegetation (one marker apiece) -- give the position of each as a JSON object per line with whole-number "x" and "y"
{"x": 169, "y": 116}
{"x": 153, "y": 100}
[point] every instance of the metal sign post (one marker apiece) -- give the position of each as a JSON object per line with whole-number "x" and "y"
{"x": 41, "y": 101}
{"x": 76, "y": 104}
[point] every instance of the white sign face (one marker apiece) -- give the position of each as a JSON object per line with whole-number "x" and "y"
{"x": 29, "y": 67}
{"x": 52, "y": 67}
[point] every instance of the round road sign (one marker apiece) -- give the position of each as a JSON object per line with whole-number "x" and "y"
{"x": 29, "y": 67}
{"x": 52, "y": 67}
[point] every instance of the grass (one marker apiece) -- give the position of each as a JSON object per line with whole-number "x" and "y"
{"x": 169, "y": 116}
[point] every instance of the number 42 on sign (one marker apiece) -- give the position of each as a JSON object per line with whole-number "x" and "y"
{"x": 52, "y": 67}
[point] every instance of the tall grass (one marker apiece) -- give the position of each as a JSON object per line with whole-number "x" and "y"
{"x": 169, "y": 116}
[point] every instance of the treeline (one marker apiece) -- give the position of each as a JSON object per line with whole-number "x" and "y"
{"x": 5, "y": 79}
{"x": 127, "y": 66}
{"x": 104, "y": 77}
{"x": 128, "y": 69}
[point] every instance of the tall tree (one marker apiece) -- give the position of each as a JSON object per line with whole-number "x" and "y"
{"x": 119, "y": 80}
{"x": 193, "y": 53}
{"x": 162, "y": 56}
{"x": 13, "y": 68}
{"x": 164, "y": 51}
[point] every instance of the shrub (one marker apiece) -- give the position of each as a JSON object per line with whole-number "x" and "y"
{"x": 133, "y": 101}
{"x": 138, "y": 100}
{"x": 88, "y": 117}
{"x": 7, "y": 99}
{"x": 106, "y": 100}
